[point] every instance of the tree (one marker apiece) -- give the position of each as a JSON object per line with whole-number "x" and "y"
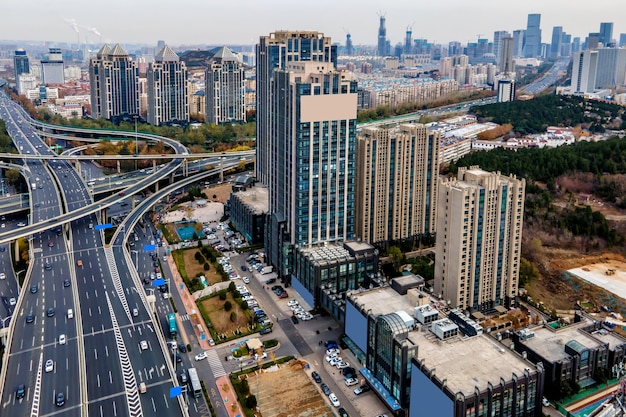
{"x": 206, "y": 266}
{"x": 396, "y": 255}
{"x": 13, "y": 176}
{"x": 251, "y": 402}
{"x": 228, "y": 306}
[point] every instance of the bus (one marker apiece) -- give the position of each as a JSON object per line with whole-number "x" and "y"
{"x": 194, "y": 382}
{"x": 171, "y": 320}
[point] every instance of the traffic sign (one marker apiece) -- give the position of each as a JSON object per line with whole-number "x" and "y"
{"x": 175, "y": 391}
{"x": 103, "y": 226}
{"x": 158, "y": 282}
{"x": 149, "y": 247}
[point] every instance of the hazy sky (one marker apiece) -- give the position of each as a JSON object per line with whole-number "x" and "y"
{"x": 243, "y": 21}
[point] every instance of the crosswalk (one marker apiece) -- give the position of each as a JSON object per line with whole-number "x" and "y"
{"x": 184, "y": 317}
{"x": 215, "y": 363}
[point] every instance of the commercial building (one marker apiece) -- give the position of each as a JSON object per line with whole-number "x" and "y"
{"x": 274, "y": 52}
{"x": 397, "y": 182}
{"x": 168, "y": 96}
{"x": 505, "y": 61}
{"x": 532, "y": 38}
{"x": 506, "y": 89}
{"x": 478, "y": 245}
{"x": 52, "y": 67}
{"x": 114, "y": 81}
{"x": 518, "y": 42}
{"x": 247, "y": 210}
{"x": 421, "y": 362}
{"x": 20, "y": 64}
{"x": 598, "y": 69}
{"x": 497, "y": 42}
{"x": 557, "y": 40}
{"x": 225, "y": 89}
{"x": 606, "y": 33}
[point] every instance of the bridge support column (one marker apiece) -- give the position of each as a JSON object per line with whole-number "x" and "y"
{"x": 185, "y": 168}
{"x": 221, "y": 171}
{"x": 78, "y": 168}
{"x": 119, "y": 167}
{"x": 103, "y": 216}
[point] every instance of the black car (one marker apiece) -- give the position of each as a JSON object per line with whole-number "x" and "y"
{"x": 343, "y": 413}
{"x": 20, "y": 392}
{"x": 348, "y": 371}
{"x": 266, "y": 330}
{"x": 30, "y": 318}
{"x": 325, "y": 389}
{"x": 182, "y": 348}
{"x": 66, "y": 282}
{"x": 270, "y": 281}
{"x": 3, "y": 249}
{"x": 294, "y": 319}
{"x": 60, "y": 399}
{"x": 316, "y": 377}
{"x": 50, "y": 312}
{"x": 33, "y": 289}
{"x": 244, "y": 268}
{"x": 47, "y": 266}
{"x": 179, "y": 358}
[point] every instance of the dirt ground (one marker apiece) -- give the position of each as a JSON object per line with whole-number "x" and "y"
{"x": 193, "y": 268}
{"x": 288, "y": 392}
{"x": 221, "y": 192}
{"x": 220, "y": 318}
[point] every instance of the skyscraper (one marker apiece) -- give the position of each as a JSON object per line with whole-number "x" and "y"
{"x": 168, "y": 99}
{"x": 408, "y": 41}
{"x": 311, "y": 116}
{"x": 497, "y": 42}
{"x": 394, "y": 164}
{"x": 557, "y": 39}
{"x": 225, "y": 90}
{"x": 274, "y": 52}
{"x": 20, "y": 64}
{"x": 113, "y": 77}
{"x": 479, "y": 232}
{"x": 532, "y": 41}
{"x": 598, "y": 69}
{"x": 606, "y": 33}
{"x": 382, "y": 38}
{"x": 506, "y": 56}
{"x": 518, "y": 42}
{"x": 349, "y": 47}
{"x": 506, "y": 89}
{"x": 52, "y": 69}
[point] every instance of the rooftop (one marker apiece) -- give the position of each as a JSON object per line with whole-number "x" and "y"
{"x": 256, "y": 197}
{"x": 551, "y": 344}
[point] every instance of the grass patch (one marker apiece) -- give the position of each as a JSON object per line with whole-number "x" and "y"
{"x": 226, "y": 325}
{"x": 169, "y": 232}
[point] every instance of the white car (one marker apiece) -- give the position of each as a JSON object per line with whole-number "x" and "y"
{"x": 62, "y": 339}
{"x": 49, "y": 365}
{"x": 3, "y": 275}
{"x": 246, "y": 280}
{"x": 144, "y": 345}
{"x": 12, "y": 301}
{"x": 333, "y": 352}
{"x": 333, "y": 399}
{"x": 342, "y": 364}
{"x": 335, "y": 361}
{"x": 292, "y": 303}
{"x": 200, "y": 356}
{"x": 330, "y": 358}
{"x": 351, "y": 381}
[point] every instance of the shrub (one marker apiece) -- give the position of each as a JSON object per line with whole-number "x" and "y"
{"x": 233, "y": 316}
{"x": 251, "y": 402}
{"x": 222, "y": 295}
{"x": 206, "y": 266}
{"x": 244, "y": 305}
{"x": 228, "y": 306}
{"x": 200, "y": 258}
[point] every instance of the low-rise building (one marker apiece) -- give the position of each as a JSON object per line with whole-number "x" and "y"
{"x": 247, "y": 210}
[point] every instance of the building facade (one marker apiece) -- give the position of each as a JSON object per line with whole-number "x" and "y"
{"x": 397, "y": 183}
{"x": 603, "y": 68}
{"x": 20, "y": 64}
{"x": 275, "y": 52}
{"x": 225, "y": 89}
{"x": 532, "y": 38}
{"x": 52, "y": 67}
{"x": 478, "y": 246}
{"x": 114, "y": 78}
{"x": 168, "y": 95}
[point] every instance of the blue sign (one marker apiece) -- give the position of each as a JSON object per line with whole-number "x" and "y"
{"x": 149, "y": 247}
{"x": 158, "y": 282}
{"x": 103, "y": 226}
{"x": 175, "y": 391}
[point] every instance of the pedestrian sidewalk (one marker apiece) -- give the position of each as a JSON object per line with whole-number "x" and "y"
{"x": 229, "y": 397}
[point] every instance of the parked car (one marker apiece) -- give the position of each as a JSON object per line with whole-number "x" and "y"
{"x": 294, "y": 319}
{"x": 333, "y": 399}
{"x": 343, "y": 413}
{"x": 316, "y": 377}
{"x": 266, "y": 330}
{"x": 325, "y": 389}
{"x": 351, "y": 381}
{"x": 360, "y": 390}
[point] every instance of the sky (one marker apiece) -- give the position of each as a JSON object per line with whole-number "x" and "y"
{"x": 241, "y": 22}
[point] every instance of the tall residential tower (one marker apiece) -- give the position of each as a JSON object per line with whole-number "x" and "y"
{"x": 168, "y": 99}
{"x": 225, "y": 90}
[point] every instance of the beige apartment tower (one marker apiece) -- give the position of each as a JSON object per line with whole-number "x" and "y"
{"x": 479, "y": 237}
{"x": 397, "y": 183}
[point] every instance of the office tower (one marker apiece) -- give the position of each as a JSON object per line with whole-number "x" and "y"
{"x": 408, "y": 41}
{"x": 566, "y": 45}
{"x": 160, "y": 45}
{"x": 20, "y": 64}
{"x": 113, "y": 77}
{"x": 518, "y": 42}
{"x": 506, "y": 89}
{"x": 225, "y": 90}
{"x": 506, "y": 56}
{"x": 397, "y": 182}
{"x": 479, "y": 231}
{"x": 622, "y": 40}
{"x": 576, "y": 44}
{"x": 598, "y": 69}
{"x": 532, "y": 40}
{"x": 592, "y": 41}
{"x": 349, "y": 47}
{"x": 606, "y": 33}
{"x": 382, "y": 49}
{"x": 497, "y": 42}
{"x": 557, "y": 39}
{"x": 52, "y": 67}
{"x": 274, "y": 52}
{"x": 168, "y": 99}
{"x": 312, "y": 164}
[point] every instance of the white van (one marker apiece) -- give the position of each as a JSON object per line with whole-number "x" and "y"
{"x": 70, "y": 313}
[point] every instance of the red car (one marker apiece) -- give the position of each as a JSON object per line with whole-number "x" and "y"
{"x": 283, "y": 295}
{"x": 51, "y": 243}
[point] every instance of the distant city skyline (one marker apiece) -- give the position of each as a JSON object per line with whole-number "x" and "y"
{"x": 242, "y": 22}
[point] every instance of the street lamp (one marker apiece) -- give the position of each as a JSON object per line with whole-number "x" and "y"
{"x": 5, "y": 319}
{"x": 17, "y": 274}
{"x": 136, "y": 261}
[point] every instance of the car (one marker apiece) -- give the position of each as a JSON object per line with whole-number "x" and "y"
{"x": 33, "y": 289}
{"x": 283, "y": 295}
{"x": 331, "y": 357}
{"x": 182, "y": 377}
{"x": 200, "y": 356}
{"x": 3, "y": 226}
{"x": 179, "y": 358}
{"x": 49, "y": 367}
{"x": 30, "y": 318}
{"x": 21, "y": 224}
{"x": 3, "y": 249}
{"x": 66, "y": 283}
{"x": 348, "y": 372}
{"x": 20, "y": 392}
{"x": 135, "y": 312}
{"x": 270, "y": 281}
{"x": 294, "y": 319}
{"x": 62, "y": 339}
{"x": 50, "y": 312}
{"x": 331, "y": 344}
{"x": 152, "y": 276}
{"x": 343, "y": 413}
{"x": 79, "y": 263}
{"x": 333, "y": 399}
{"x": 182, "y": 348}
{"x": 545, "y": 402}
{"x": 266, "y": 330}
{"x": 351, "y": 381}
{"x": 60, "y": 399}
{"x": 244, "y": 268}
{"x": 3, "y": 275}
{"x": 332, "y": 352}
{"x": 360, "y": 390}
{"x": 246, "y": 280}
{"x": 143, "y": 344}
{"x": 12, "y": 301}
{"x": 342, "y": 365}
{"x": 335, "y": 361}
{"x": 50, "y": 244}
{"x": 316, "y": 377}
{"x": 325, "y": 389}
{"x": 47, "y": 266}
{"x": 292, "y": 303}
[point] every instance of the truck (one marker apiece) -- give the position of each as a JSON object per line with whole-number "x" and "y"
{"x": 33, "y": 185}
{"x": 267, "y": 269}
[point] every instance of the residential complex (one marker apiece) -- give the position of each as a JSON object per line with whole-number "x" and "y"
{"x": 225, "y": 89}
{"x": 168, "y": 97}
{"x": 598, "y": 69}
{"x": 478, "y": 247}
